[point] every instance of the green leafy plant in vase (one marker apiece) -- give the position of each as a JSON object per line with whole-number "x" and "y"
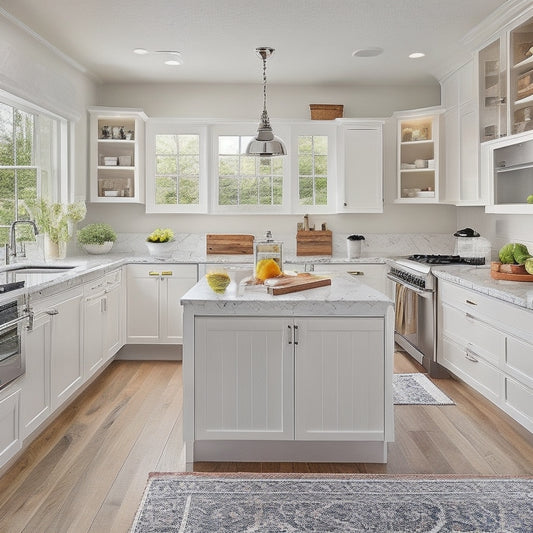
{"x": 97, "y": 238}
{"x": 160, "y": 243}
{"x": 56, "y": 222}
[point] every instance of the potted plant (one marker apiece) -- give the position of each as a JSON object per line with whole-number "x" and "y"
{"x": 97, "y": 238}
{"x": 160, "y": 243}
{"x": 56, "y": 221}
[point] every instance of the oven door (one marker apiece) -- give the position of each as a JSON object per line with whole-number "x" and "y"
{"x": 11, "y": 360}
{"x": 415, "y": 321}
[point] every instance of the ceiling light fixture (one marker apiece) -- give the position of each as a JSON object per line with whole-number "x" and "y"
{"x": 140, "y": 51}
{"x": 371, "y": 51}
{"x": 175, "y": 60}
{"x": 416, "y": 55}
{"x": 265, "y": 143}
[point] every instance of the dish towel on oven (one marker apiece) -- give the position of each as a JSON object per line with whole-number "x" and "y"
{"x": 406, "y": 310}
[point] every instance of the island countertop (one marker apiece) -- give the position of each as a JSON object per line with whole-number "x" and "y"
{"x": 346, "y": 295}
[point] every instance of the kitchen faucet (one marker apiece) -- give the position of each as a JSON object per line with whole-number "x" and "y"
{"x": 11, "y": 247}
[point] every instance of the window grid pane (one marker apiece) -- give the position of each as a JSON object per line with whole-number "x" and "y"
{"x": 313, "y": 169}
{"x": 247, "y": 180}
{"x": 177, "y": 172}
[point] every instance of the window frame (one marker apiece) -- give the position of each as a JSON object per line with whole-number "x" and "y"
{"x": 175, "y": 127}
{"x": 248, "y": 129}
{"x": 328, "y": 130}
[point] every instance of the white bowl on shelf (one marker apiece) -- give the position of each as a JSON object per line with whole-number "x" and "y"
{"x": 111, "y": 193}
{"x": 425, "y": 194}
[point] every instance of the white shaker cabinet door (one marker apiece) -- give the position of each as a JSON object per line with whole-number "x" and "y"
{"x": 339, "y": 379}
{"x": 142, "y": 322}
{"x": 244, "y": 379}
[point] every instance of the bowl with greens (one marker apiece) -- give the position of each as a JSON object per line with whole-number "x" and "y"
{"x": 97, "y": 238}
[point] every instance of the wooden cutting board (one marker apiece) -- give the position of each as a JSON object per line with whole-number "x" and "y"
{"x": 509, "y": 272}
{"x": 301, "y": 282}
{"x": 314, "y": 243}
{"x": 232, "y": 244}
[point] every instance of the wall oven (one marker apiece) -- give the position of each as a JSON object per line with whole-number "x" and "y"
{"x": 13, "y": 317}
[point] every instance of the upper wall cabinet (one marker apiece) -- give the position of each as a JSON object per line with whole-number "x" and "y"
{"x": 460, "y": 183}
{"x": 360, "y": 160}
{"x": 418, "y": 156}
{"x": 116, "y": 166}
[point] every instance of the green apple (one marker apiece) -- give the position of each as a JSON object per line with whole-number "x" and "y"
{"x": 530, "y": 199}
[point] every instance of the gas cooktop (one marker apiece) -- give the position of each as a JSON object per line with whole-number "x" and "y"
{"x": 437, "y": 259}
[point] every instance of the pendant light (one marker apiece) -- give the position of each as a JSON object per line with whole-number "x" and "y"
{"x": 265, "y": 143}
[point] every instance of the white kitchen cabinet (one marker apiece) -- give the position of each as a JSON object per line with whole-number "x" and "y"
{"x": 269, "y": 378}
{"x": 116, "y": 155}
{"x": 360, "y": 167}
{"x": 66, "y": 355}
{"x": 418, "y": 156}
{"x": 244, "y": 378}
{"x": 102, "y": 331}
{"x": 10, "y": 438}
{"x": 334, "y": 399}
{"x": 35, "y": 384}
{"x": 154, "y": 314}
{"x": 488, "y": 343}
{"x": 461, "y": 184}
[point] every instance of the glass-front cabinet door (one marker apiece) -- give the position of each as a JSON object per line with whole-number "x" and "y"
{"x": 493, "y": 92}
{"x": 521, "y": 77}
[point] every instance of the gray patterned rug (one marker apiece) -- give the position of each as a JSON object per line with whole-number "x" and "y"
{"x": 187, "y": 503}
{"x": 417, "y": 389}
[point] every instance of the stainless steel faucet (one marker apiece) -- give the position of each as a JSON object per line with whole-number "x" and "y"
{"x": 11, "y": 248}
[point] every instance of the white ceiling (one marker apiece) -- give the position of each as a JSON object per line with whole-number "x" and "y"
{"x": 314, "y": 39}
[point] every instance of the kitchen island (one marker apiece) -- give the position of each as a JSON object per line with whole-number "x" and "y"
{"x": 304, "y": 376}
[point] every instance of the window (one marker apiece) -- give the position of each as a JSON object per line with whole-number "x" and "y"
{"x": 31, "y": 144}
{"x": 313, "y": 169}
{"x": 175, "y": 167}
{"x": 245, "y": 180}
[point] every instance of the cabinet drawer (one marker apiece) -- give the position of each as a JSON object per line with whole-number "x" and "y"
{"x": 473, "y": 370}
{"x": 113, "y": 278}
{"x": 468, "y": 331}
{"x": 519, "y": 360}
{"x": 505, "y": 316}
{"x": 519, "y": 400}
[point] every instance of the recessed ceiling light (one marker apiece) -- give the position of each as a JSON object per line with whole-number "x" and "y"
{"x": 172, "y": 62}
{"x": 371, "y": 51}
{"x": 140, "y": 51}
{"x": 416, "y": 55}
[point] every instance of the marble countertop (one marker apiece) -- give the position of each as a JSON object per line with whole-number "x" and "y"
{"x": 479, "y": 279}
{"x": 345, "y": 296}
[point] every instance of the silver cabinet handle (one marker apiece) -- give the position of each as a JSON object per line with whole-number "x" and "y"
{"x": 470, "y": 302}
{"x": 290, "y": 334}
{"x": 295, "y": 335}
{"x": 471, "y": 356}
{"x": 52, "y": 312}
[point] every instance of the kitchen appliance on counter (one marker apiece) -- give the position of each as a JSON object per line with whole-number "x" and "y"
{"x": 470, "y": 244}
{"x": 268, "y": 249}
{"x": 416, "y": 305}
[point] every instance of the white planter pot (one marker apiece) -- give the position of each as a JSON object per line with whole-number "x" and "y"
{"x": 353, "y": 249}
{"x": 98, "y": 248}
{"x": 161, "y": 250}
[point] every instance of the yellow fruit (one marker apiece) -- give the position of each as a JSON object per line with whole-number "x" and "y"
{"x": 267, "y": 268}
{"x": 218, "y": 281}
{"x": 529, "y": 265}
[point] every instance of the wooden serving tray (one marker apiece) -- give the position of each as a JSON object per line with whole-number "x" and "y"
{"x": 301, "y": 282}
{"x": 232, "y": 244}
{"x": 509, "y": 272}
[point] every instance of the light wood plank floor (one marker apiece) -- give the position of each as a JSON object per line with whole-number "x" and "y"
{"x": 88, "y": 470}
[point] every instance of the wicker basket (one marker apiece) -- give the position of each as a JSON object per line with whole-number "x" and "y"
{"x": 326, "y": 111}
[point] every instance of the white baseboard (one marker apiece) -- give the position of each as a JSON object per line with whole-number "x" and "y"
{"x": 150, "y": 352}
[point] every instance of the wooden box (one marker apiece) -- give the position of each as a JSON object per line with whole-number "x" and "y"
{"x": 524, "y": 85}
{"x": 314, "y": 243}
{"x": 326, "y": 111}
{"x": 233, "y": 244}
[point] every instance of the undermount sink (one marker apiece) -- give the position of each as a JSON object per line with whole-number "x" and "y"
{"x": 13, "y": 277}
{"x": 40, "y": 269}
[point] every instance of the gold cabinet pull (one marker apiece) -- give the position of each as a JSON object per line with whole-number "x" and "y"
{"x": 166, "y": 273}
{"x": 153, "y": 273}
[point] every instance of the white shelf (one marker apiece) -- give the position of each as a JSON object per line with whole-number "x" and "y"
{"x": 523, "y": 63}
{"x": 118, "y": 141}
{"x": 114, "y": 167}
{"x": 416, "y": 143}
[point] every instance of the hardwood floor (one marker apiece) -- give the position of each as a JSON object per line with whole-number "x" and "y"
{"x": 88, "y": 470}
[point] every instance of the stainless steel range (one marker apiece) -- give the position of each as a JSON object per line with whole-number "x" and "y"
{"x": 416, "y": 305}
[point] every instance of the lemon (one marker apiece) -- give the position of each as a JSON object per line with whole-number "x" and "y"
{"x": 267, "y": 268}
{"x": 529, "y": 265}
{"x": 218, "y": 281}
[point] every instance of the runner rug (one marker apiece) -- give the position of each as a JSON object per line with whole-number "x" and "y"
{"x": 417, "y": 389}
{"x": 205, "y": 503}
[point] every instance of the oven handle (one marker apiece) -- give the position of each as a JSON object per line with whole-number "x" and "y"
{"x": 11, "y": 323}
{"x": 421, "y": 292}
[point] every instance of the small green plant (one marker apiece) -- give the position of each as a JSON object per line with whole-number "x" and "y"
{"x": 96, "y": 234}
{"x": 161, "y": 235}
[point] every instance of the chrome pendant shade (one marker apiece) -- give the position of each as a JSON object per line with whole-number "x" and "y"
{"x": 265, "y": 143}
